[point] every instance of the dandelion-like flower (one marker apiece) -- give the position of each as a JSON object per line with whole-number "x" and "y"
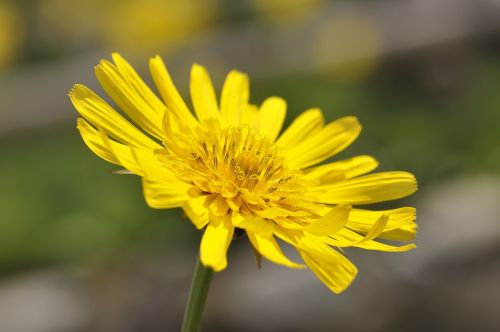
{"x": 229, "y": 168}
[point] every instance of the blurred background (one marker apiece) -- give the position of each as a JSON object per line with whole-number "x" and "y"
{"x": 81, "y": 251}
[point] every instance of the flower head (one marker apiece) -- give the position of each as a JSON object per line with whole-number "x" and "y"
{"x": 229, "y": 168}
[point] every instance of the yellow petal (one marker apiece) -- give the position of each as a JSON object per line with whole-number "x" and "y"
{"x": 196, "y": 212}
{"x": 375, "y": 245}
{"x": 254, "y": 224}
{"x": 172, "y": 125}
{"x": 377, "y": 229}
{"x": 100, "y": 114}
{"x": 327, "y": 142}
{"x": 347, "y": 238}
{"x": 306, "y": 124}
{"x": 131, "y": 94}
{"x": 250, "y": 116}
{"x": 117, "y": 153}
{"x": 269, "y": 248}
{"x": 330, "y": 223}
{"x": 235, "y": 94}
{"x": 340, "y": 170}
{"x": 169, "y": 92}
{"x": 272, "y": 114}
{"x": 331, "y": 267}
{"x": 367, "y": 189}
{"x": 290, "y": 236}
{"x": 160, "y": 185}
{"x": 401, "y": 224}
{"x": 164, "y": 195}
{"x": 344, "y": 239}
{"x": 162, "y": 189}
{"x": 135, "y": 82}
{"x": 219, "y": 206}
{"x": 203, "y": 94}
{"x": 154, "y": 168}
{"x": 94, "y": 142}
{"x": 405, "y": 233}
{"x": 215, "y": 242}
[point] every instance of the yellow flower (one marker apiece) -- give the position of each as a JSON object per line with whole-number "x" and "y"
{"x": 229, "y": 168}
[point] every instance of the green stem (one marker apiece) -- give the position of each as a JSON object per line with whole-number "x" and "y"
{"x": 197, "y": 297}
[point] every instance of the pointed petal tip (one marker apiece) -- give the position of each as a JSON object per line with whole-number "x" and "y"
{"x": 197, "y": 67}
{"x": 278, "y": 99}
{"x": 237, "y": 72}
{"x": 316, "y": 111}
{"x": 199, "y": 72}
{"x": 353, "y": 122}
{"x": 155, "y": 59}
{"x": 117, "y": 58}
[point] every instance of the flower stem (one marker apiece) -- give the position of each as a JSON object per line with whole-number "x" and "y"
{"x": 197, "y": 297}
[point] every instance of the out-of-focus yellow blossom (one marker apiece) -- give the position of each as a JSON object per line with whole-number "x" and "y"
{"x": 74, "y": 22}
{"x": 229, "y": 168}
{"x": 143, "y": 25}
{"x": 349, "y": 46}
{"x": 11, "y": 33}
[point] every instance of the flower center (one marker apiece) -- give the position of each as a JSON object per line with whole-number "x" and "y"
{"x": 236, "y": 169}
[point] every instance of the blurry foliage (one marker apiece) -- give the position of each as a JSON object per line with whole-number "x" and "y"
{"x": 60, "y": 203}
